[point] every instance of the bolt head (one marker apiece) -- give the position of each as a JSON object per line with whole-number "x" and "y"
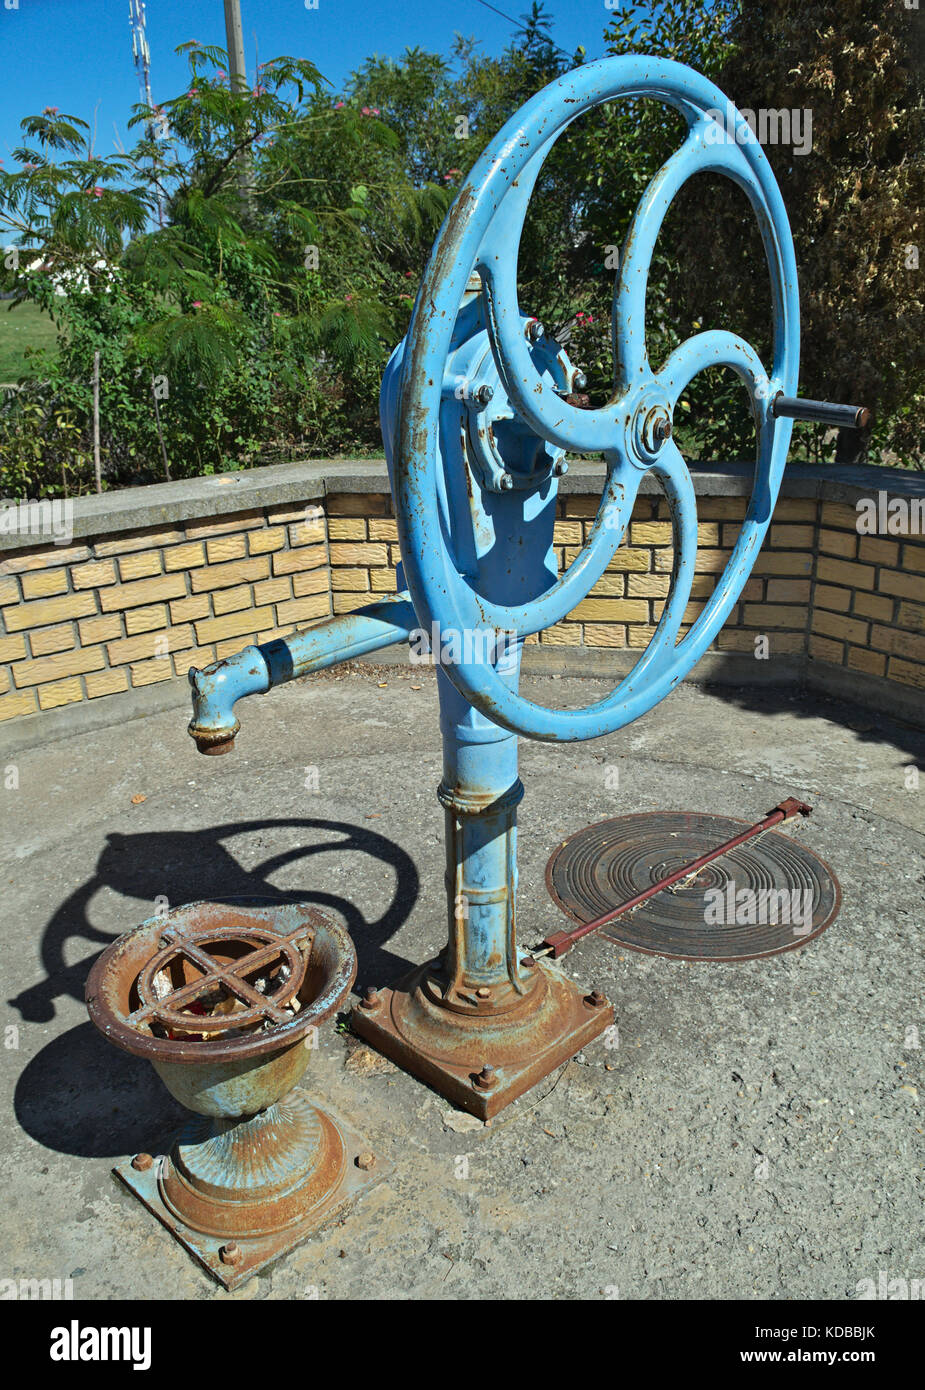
{"x": 231, "y": 1254}
{"x": 507, "y": 482}
{"x": 370, "y": 998}
{"x": 142, "y": 1162}
{"x": 483, "y": 992}
{"x": 484, "y": 394}
{"x": 365, "y": 1161}
{"x": 579, "y": 381}
{"x": 486, "y": 1078}
{"x": 535, "y": 330}
{"x": 595, "y": 999}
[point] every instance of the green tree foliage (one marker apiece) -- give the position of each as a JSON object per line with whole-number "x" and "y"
{"x": 259, "y": 316}
{"x": 245, "y": 270}
{"x": 855, "y": 205}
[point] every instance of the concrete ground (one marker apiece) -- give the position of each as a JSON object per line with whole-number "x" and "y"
{"x": 757, "y": 1134}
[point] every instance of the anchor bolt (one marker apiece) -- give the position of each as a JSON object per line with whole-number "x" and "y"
{"x": 365, "y": 1161}
{"x": 535, "y": 330}
{"x": 486, "y": 1078}
{"x": 370, "y": 998}
{"x": 142, "y": 1162}
{"x": 595, "y": 999}
{"x": 231, "y": 1254}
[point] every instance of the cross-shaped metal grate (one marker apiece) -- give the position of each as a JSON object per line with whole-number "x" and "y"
{"x": 269, "y": 949}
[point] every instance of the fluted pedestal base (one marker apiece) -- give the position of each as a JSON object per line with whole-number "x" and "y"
{"x": 238, "y": 1194}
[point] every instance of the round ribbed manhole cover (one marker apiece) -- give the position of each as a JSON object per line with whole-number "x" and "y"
{"x": 766, "y": 896}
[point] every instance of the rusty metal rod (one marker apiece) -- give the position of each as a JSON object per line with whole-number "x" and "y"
{"x": 559, "y": 942}
{"x": 852, "y": 417}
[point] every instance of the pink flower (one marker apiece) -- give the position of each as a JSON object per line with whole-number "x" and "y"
{"x": 193, "y": 92}
{"x": 408, "y": 274}
{"x": 338, "y": 105}
{"x": 197, "y": 303}
{"x": 50, "y": 111}
{"x": 97, "y": 192}
{"x": 375, "y": 110}
{"x": 364, "y": 111}
{"x": 348, "y": 298}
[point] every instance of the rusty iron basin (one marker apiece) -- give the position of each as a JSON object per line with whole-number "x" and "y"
{"x": 242, "y": 1062}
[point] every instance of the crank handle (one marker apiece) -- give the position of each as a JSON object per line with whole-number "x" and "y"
{"x": 852, "y": 417}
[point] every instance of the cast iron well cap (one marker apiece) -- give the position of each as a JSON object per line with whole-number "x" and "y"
{"x": 282, "y": 969}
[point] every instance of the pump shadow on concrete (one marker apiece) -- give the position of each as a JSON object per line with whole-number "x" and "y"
{"x": 196, "y": 864}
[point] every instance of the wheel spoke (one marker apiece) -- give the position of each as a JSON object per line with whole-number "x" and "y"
{"x": 616, "y": 508}
{"x": 715, "y": 348}
{"x": 675, "y": 478}
{"x": 629, "y": 299}
{"x": 548, "y": 415}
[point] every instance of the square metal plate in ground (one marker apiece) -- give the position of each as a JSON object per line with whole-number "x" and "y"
{"x": 258, "y": 1252}
{"x": 511, "y": 1079}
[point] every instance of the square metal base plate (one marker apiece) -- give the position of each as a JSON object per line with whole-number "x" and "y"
{"x": 256, "y": 1253}
{"x": 456, "y": 1082}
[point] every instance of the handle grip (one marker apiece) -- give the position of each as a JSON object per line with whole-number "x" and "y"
{"x": 852, "y": 417}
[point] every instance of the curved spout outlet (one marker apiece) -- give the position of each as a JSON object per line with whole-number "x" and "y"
{"x": 218, "y": 687}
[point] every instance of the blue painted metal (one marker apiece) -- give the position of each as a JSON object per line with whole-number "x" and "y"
{"x": 254, "y": 670}
{"x": 476, "y": 425}
{"x": 482, "y": 233}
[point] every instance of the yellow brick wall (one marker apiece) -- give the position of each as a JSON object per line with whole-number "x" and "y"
{"x": 817, "y": 587}
{"x": 118, "y": 612}
{"x": 114, "y": 613}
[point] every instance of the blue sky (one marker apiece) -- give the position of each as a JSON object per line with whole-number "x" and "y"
{"x": 76, "y": 54}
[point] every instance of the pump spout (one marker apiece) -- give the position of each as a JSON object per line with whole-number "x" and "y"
{"x": 218, "y": 687}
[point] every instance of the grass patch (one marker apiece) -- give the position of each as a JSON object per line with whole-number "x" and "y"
{"x": 22, "y": 327}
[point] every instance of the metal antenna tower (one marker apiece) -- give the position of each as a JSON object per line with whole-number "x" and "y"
{"x": 142, "y": 58}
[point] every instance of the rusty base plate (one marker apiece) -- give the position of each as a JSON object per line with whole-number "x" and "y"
{"x": 448, "y": 1053}
{"x": 258, "y": 1251}
{"x": 608, "y": 863}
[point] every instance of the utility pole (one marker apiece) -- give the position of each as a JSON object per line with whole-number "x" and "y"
{"x": 235, "y": 42}
{"x": 237, "y": 76}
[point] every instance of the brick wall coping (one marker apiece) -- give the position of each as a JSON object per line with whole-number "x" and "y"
{"x": 130, "y": 509}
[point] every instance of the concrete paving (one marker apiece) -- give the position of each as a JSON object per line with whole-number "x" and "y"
{"x": 756, "y": 1134}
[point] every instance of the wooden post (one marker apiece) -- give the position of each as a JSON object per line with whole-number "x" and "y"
{"x": 160, "y": 432}
{"x": 96, "y": 421}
